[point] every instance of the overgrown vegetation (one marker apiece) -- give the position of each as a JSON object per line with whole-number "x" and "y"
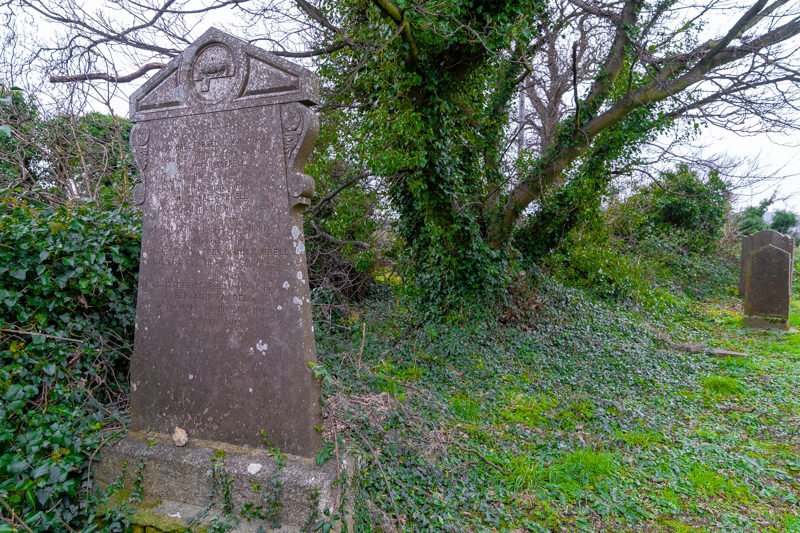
{"x": 650, "y": 247}
{"x": 67, "y": 307}
{"x": 55, "y": 159}
{"x": 752, "y": 219}
{"x": 585, "y": 419}
{"x": 587, "y": 400}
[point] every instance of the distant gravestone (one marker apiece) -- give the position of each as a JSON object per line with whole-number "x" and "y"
{"x": 756, "y": 241}
{"x": 768, "y": 280}
{"x": 224, "y": 335}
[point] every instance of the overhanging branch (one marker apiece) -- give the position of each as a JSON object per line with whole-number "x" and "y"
{"x": 71, "y": 78}
{"x": 669, "y": 83}
{"x": 399, "y": 17}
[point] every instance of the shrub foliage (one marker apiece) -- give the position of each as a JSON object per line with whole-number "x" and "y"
{"x": 67, "y": 306}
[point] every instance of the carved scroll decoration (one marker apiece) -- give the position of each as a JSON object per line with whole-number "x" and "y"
{"x": 140, "y": 139}
{"x": 300, "y": 127}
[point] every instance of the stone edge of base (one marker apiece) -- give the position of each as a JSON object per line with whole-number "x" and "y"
{"x": 175, "y": 484}
{"x": 766, "y": 322}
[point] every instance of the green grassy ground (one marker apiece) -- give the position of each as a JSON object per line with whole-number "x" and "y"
{"x": 587, "y": 419}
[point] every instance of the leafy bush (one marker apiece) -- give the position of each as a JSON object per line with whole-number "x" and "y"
{"x": 783, "y": 221}
{"x": 682, "y": 203}
{"x": 751, "y": 219}
{"x": 662, "y": 239}
{"x": 67, "y": 306}
{"x": 605, "y": 269}
{"x": 65, "y": 157}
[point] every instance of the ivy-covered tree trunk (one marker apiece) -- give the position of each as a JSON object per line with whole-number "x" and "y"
{"x": 432, "y": 118}
{"x": 442, "y": 201}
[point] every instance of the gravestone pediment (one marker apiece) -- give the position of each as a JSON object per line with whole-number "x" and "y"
{"x": 221, "y": 72}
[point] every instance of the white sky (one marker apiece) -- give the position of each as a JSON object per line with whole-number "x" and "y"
{"x": 774, "y": 154}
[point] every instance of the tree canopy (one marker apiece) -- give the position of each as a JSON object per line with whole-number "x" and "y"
{"x": 489, "y": 128}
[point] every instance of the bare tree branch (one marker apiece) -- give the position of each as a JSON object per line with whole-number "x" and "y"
{"x": 108, "y": 77}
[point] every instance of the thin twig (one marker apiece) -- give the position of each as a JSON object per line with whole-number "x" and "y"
{"x": 336, "y": 449}
{"x": 91, "y": 458}
{"x": 107, "y": 77}
{"x": 482, "y": 457}
{"x": 13, "y": 520}
{"x": 35, "y": 333}
{"x": 361, "y": 351}
{"x": 336, "y": 191}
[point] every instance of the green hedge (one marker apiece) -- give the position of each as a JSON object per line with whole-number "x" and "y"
{"x": 67, "y": 306}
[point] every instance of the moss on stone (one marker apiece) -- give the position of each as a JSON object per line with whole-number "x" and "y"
{"x": 158, "y": 523}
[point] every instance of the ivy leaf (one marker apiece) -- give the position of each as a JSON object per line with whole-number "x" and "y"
{"x": 18, "y": 466}
{"x": 40, "y": 470}
{"x": 19, "y": 274}
{"x": 5, "y": 130}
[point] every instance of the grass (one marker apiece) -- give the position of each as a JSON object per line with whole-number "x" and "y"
{"x": 710, "y": 483}
{"x": 722, "y": 385}
{"x": 576, "y": 471}
{"x": 591, "y": 420}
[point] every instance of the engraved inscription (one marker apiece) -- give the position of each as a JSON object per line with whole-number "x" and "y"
{"x": 223, "y": 285}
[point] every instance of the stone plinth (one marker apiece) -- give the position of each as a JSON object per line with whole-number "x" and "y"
{"x": 176, "y": 486}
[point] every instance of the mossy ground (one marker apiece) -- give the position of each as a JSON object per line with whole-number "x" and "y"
{"x": 585, "y": 419}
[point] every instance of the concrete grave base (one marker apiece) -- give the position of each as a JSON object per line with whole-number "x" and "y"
{"x": 176, "y": 482}
{"x": 766, "y": 322}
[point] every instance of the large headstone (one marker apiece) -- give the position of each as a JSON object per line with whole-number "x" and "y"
{"x": 756, "y": 241}
{"x": 224, "y": 335}
{"x": 768, "y": 288}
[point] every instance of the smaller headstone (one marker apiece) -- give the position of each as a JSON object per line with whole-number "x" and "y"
{"x": 747, "y": 247}
{"x": 768, "y": 289}
{"x": 756, "y": 241}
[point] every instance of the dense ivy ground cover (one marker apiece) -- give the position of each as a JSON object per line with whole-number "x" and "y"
{"x": 567, "y": 412}
{"x": 585, "y": 419}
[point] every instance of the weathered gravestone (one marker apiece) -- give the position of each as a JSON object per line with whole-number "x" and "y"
{"x": 224, "y": 335}
{"x": 768, "y": 280}
{"x": 223, "y": 320}
{"x": 756, "y": 241}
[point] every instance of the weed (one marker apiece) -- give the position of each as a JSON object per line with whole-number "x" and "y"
{"x": 529, "y": 410}
{"x": 711, "y": 483}
{"x": 576, "y": 471}
{"x": 722, "y": 385}
{"x": 641, "y": 438}
{"x": 465, "y": 408}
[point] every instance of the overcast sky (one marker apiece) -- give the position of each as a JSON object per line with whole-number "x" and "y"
{"x": 773, "y": 154}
